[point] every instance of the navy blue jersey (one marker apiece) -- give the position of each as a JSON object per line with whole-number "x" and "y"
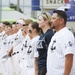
{"x": 42, "y": 47}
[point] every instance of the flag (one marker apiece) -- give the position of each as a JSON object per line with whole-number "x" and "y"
{"x": 35, "y": 5}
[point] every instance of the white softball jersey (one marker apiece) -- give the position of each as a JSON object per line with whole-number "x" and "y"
{"x": 62, "y": 43}
{"x": 30, "y": 55}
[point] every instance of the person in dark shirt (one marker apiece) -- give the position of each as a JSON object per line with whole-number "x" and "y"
{"x": 44, "y": 21}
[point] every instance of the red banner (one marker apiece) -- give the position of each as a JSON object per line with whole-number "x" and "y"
{"x": 66, "y": 1}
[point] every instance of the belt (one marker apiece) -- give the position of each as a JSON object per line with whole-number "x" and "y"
{"x": 29, "y": 67}
{"x": 15, "y": 53}
{"x": 23, "y": 58}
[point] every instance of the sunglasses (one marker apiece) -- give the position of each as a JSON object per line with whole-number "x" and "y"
{"x": 17, "y": 23}
{"x": 45, "y": 15}
{"x": 25, "y": 25}
{"x": 30, "y": 31}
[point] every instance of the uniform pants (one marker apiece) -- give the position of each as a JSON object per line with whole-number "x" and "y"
{"x": 15, "y": 64}
{"x": 42, "y": 71}
{"x": 23, "y": 67}
{"x": 30, "y": 71}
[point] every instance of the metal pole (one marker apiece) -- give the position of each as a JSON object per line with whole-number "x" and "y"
{"x": 23, "y": 5}
{"x": 42, "y": 6}
{"x": 18, "y": 5}
{"x": 0, "y": 10}
{"x": 9, "y": 2}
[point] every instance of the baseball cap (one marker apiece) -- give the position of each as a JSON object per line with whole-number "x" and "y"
{"x": 20, "y": 21}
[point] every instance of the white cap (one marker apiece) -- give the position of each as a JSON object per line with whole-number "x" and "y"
{"x": 20, "y": 21}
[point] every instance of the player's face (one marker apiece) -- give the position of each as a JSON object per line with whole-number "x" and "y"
{"x": 30, "y": 31}
{"x": 55, "y": 20}
{"x": 14, "y": 28}
{"x": 41, "y": 22}
{"x": 18, "y": 25}
{"x": 25, "y": 27}
{"x": 0, "y": 29}
{"x": 3, "y": 27}
{"x": 8, "y": 30}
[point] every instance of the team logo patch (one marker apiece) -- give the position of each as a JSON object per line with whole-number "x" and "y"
{"x": 25, "y": 44}
{"x": 29, "y": 50}
{"x": 69, "y": 44}
{"x": 39, "y": 44}
{"x": 53, "y": 47}
{"x": 16, "y": 38}
{"x": 5, "y": 42}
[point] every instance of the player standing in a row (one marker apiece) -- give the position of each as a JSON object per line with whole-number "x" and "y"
{"x": 44, "y": 21}
{"x": 61, "y": 51}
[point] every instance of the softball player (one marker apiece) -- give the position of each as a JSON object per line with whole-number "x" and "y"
{"x": 61, "y": 51}
{"x": 33, "y": 32}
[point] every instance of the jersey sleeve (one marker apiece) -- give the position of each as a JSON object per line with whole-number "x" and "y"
{"x": 36, "y": 53}
{"x": 35, "y": 48}
{"x": 67, "y": 44}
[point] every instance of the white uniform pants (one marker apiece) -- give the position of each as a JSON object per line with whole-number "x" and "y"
{"x": 30, "y": 71}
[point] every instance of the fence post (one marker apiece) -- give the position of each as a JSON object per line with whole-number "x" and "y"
{"x": 0, "y": 10}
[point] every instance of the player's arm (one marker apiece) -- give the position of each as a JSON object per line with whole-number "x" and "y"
{"x": 68, "y": 64}
{"x": 36, "y": 66}
{"x": 10, "y": 51}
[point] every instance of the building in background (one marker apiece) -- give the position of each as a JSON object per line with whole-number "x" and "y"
{"x": 66, "y": 5}
{"x": 45, "y": 5}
